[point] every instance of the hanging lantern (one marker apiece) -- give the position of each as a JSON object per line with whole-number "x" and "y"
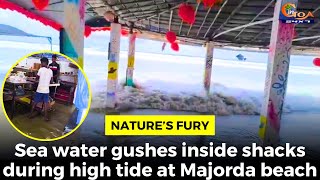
{"x": 187, "y": 13}
{"x": 163, "y": 46}
{"x": 124, "y": 32}
{"x": 171, "y": 36}
{"x": 40, "y": 4}
{"x": 316, "y": 62}
{"x": 87, "y": 31}
{"x": 175, "y": 46}
{"x": 209, "y": 3}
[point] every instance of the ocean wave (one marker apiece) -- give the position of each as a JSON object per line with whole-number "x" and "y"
{"x": 129, "y": 98}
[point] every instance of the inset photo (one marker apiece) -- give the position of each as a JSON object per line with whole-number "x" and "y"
{"x": 46, "y": 96}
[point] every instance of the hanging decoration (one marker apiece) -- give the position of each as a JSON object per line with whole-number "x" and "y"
{"x": 87, "y": 31}
{"x": 316, "y": 62}
{"x": 163, "y": 46}
{"x": 175, "y": 46}
{"x": 124, "y": 32}
{"x": 240, "y": 57}
{"x": 187, "y": 13}
{"x": 171, "y": 36}
{"x": 40, "y": 4}
{"x": 210, "y": 3}
{"x": 4, "y": 4}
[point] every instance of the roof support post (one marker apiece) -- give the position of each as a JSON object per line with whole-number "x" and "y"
{"x": 113, "y": 57}
{"x": 208, "y": 67}
{"x": 276, "y": 77}
{"x": 131, "y": 58}
{"x": 72, "y": 44}
{"x": 72, "y": 37}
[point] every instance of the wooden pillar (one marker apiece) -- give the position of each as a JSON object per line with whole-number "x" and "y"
{"x": 131, "y": 58}
{"x": 114, "y": 54}
{"x": 276, "y": 77}
{"x": 208, "y": 66}
{"x": 72, "y": 45}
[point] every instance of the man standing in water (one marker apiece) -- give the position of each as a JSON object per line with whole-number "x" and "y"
{"x": 55, "y": 67}
{"x": 45, "y": 76}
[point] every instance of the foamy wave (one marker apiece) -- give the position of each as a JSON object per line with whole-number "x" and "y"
{"x": 218, "y": 104}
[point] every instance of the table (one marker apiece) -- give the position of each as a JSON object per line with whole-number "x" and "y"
{"x": 16, "y": 83}
{"x": 16, "y": 97}
{"x": 56, "y": 85}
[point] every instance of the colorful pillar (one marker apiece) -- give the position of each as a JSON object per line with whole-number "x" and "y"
{"x": 72, "y": 45}
{"x": 73, "y": 33}
{"x": 208, "y": 67}
{"x": 131, "y": 51}
{"x": 277, "y": 75}
{"x": 114, "y": 54}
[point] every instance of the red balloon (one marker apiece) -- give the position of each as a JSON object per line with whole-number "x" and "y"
{"x": 171, "y": 37}
{"x": 124, "y": 32}
{"x": 187, "y": 13}
{"x": 316, "y": 62}
{"x": 175, "y": 46}
{"x": 40, "y": 4}
{"x": 209, "y": 3}
{"x": 87, "y": 31}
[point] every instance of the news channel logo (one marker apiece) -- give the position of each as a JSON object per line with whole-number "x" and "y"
{"x": 290, "y": 15}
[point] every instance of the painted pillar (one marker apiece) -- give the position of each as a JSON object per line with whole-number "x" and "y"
{"x": 277, "y": 76}
{"x": 208, "y": 67}
{"x": 131, "y": 58}
{"x": 114, "y": 54}
{"x": 72, "y": 45}
{"x": 73, "y": 32}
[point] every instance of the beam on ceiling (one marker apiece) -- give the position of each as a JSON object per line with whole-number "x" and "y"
{"x": 125, "y": 7}
{"x": 231, "y": 15}
{"x": 174, "y": 7}
{"x": 171, "y": 13}
{"x": 215, "y": 18}
{"x": 140, "y": 7}
{"x": 262, "y": 11}
{"x": 204, "y": 20}
{"x": 180, "y": 29}
{"x": 243, "y": 26}
{"x": 195, "y": 16}
{"x": 309, "y": 28}
{"x": 159, "y": 22}
{"x": 306, "y": 38}
{"x": 130, "y": 3}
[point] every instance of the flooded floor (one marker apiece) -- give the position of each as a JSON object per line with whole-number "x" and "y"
{"x": 38, "y": 127}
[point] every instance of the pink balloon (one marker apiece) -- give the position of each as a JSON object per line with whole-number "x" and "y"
{"x": 316, "y": 62}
